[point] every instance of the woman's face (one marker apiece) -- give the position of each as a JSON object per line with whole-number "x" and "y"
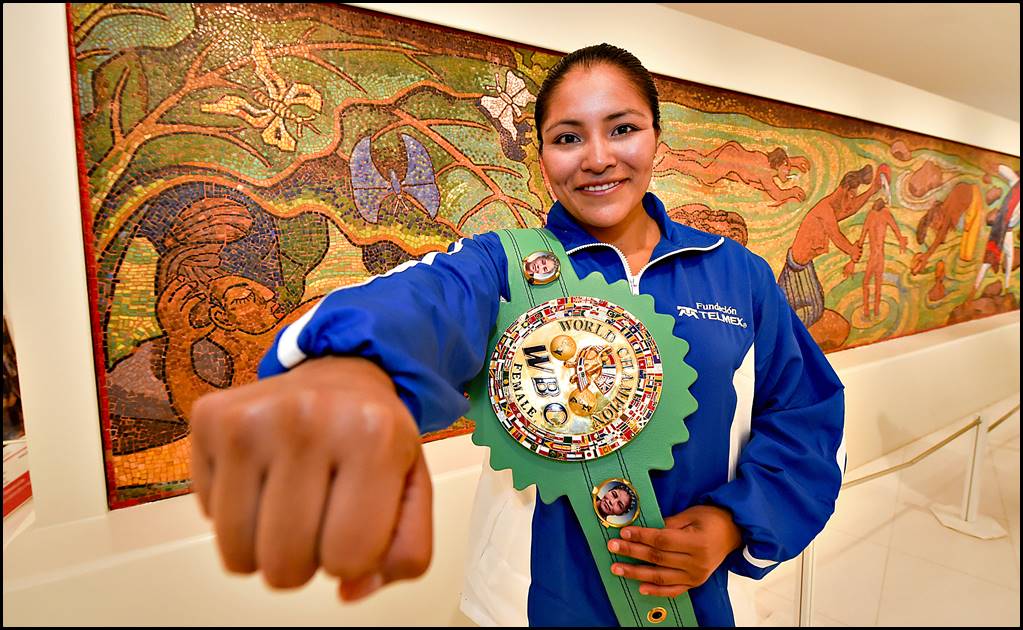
{"x": 616, "y": 502}
{"x": 599, "y": 144}
{"x": 249, "y": 306}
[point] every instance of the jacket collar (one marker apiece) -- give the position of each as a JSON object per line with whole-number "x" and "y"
{"x": 675, "y": 237}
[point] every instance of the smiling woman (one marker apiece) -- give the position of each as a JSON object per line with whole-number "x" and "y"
{"x": 345, "y": 391}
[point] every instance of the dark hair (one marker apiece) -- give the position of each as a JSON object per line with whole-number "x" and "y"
{"x": 854, "y": 179}
{"x": 587, "y": 58}
{"x": 633, "y": 499}
{"x": 777, "y": 157}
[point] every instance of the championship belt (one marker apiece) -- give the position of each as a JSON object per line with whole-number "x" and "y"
{"x": 577, "y": 400}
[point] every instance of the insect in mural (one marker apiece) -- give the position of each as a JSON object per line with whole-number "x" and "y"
{"x": 506, "y": 110}
{"x": 277, "y": 102}
{"x": 418, "y": 189}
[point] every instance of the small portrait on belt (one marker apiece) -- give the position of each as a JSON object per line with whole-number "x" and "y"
{"x": 616, "y": 503}
{"x": 541, "y": 267}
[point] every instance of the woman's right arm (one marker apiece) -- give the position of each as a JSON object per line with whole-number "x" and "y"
{"x": 319, "y": 463}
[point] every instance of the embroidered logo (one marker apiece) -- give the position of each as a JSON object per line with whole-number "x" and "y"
{"x": 715, "y": 312}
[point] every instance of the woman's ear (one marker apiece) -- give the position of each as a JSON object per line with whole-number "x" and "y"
{"x": 220, "y": 318}
{"x": 546, "y": 179}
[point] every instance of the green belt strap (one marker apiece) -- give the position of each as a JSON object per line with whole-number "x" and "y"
{"x": 650, "y": 449}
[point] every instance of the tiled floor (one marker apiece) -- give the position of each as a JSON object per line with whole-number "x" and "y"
{"x": 885, "y": 560}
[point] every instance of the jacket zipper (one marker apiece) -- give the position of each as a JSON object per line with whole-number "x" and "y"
{"x": 634, "y": 280}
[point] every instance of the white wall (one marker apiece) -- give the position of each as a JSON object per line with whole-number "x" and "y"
{"x": 155, "y": 564}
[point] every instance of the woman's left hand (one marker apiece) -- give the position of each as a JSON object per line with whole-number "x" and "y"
{"x": 685, "y": 553}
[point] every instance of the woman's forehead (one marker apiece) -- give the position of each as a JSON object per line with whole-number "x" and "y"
{"x": 596, "y": 91}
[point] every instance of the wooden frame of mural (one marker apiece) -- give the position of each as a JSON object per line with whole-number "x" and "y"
{"x": 237, "y": 162}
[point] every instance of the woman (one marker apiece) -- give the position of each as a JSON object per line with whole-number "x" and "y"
{"x": 757, "y": 484}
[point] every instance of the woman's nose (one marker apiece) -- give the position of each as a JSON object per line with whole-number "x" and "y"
{"x": 598, "y": 156}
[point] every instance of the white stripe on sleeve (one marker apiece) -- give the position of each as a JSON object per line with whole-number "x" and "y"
{"x": 288, "y": 352}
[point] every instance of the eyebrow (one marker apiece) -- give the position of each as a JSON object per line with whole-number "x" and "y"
{"x": 575, "y": 123}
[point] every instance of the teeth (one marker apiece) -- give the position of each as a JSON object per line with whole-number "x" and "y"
{"x": 600, "y": 188}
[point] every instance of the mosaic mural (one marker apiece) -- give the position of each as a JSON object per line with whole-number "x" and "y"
{"x": 240, "y": 161}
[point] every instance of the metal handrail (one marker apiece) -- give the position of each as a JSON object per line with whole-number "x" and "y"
{"x": 1002, "y": 419}
{"x": 930, "y": 451}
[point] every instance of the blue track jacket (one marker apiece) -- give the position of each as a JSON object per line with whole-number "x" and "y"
{"x": 766, "y": 442}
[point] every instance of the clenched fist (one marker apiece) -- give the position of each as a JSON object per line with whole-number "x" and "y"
{"x": 318, "y": 467}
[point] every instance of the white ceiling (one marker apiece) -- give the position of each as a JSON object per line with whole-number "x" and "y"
{"x": 966, "y": 52}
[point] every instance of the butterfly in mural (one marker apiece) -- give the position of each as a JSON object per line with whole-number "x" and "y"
{"x": 275, "y": 104}
{"x": 417, "y": 189}
{"x": 506, "y": 109}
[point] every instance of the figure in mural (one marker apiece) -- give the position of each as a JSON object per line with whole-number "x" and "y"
{"x": 736, "y": 163}
{"x": 998, "y": 253}
{"x": 819, "y": 228}
{"x": 963, "y": 202}
{"x": 937, "y": 291}
{"x": 241, "y": 316}
{"x": 879, "y": 220}
{"x": 216, "y": 320}
{"x": 723, "y": 222}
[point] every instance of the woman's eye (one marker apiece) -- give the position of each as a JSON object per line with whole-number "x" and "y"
{"x": 622, "y": 129}
{"x": 235, "y": 296}
{"x": 566, "y": 138}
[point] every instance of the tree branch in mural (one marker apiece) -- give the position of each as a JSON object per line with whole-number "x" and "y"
{"x": 480, "y": 171}
{"x": 461, "y": 160}
{"x": 108, "y": 170}
{"x": 736, "y": 163}
{"x": 107, "y": 10}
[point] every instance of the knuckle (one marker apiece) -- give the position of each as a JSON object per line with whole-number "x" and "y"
{"x": 300, "y": 431}
{"x": 661, "y": 539}
{"x": 655, "y": 556}
{"x": 204, "y": 409}
{"x": 238, "y": 437}
{"x": 385, "y": 431}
